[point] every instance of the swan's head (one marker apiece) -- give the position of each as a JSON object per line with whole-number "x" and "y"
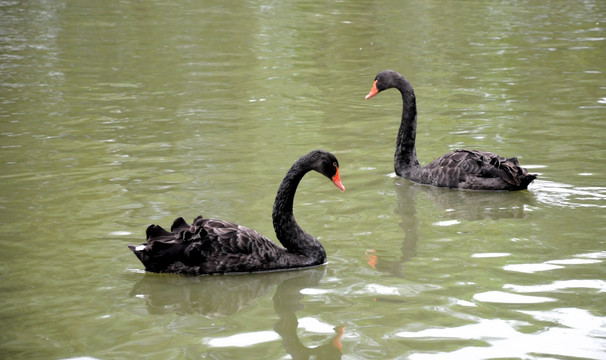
{"x": 384, "y": 80}
{"x": 326, "y": 164}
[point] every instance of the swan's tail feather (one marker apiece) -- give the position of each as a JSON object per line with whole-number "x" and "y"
{"x": 156, "y": 232}
{"x": 527, "y": 179}
{"x": 162, "y": 246}
{"x": 510, "y": 171}
{"x": 178, "y": 225}
{"x": 514, "y": 160}
{"x": 519, "y": 176}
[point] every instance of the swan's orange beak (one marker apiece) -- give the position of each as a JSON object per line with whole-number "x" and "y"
{"x": 336, "y": 179}
{"x": 373, "y": 91}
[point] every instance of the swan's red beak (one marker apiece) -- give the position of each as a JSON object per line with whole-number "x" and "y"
{"x": 336, "y": 179}
{"x": 373, "y": 91}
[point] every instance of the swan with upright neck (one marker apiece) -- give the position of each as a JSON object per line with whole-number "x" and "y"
{"x": 211, "y": 246}
{"x": 460, "y": 169}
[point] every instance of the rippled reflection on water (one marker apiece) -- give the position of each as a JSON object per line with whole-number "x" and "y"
{"x": 115, "y": 115}
{"x": 570, "y": 196}
{"x": 510, "y": 338}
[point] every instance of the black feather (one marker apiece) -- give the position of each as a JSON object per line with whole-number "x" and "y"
{"x": 461, "y": 169}
{"x": 210, "y": 246}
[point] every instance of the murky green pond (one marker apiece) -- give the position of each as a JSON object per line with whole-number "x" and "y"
{"x": 118, "y": 114}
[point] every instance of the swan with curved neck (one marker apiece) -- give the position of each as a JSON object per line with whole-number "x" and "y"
{"x": 211, "y": 246}
{"x": 460, "y": 169}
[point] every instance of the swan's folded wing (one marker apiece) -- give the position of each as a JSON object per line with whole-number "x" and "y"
{"x": 230, "y": 238}
{"x": 478, "y": 170}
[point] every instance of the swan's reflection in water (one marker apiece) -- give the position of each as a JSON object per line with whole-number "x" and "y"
{"x": 287, "y": 301}
{"x": 219, "y": 296}
{"x": 467, "y": 205}
{"x": 457, "y": 205}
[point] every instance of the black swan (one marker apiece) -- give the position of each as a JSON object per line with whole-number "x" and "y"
{"x": 460, "y": 169}
{"x": 215, "y": 246}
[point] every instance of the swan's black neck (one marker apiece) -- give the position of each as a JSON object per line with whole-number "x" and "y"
{"x": 405, "y": 158}
{"x": 287, "y": 230}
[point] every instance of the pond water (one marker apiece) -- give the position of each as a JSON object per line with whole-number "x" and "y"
{"x": 118, "y": 114}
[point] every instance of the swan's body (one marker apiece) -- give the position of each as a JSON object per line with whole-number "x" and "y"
{"x": 215, "y": 246}
{"x": 462, "y": 169}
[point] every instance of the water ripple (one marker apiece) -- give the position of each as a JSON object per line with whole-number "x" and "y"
{"x": 508, "y": 298}
{"x": 571, "y": 332}
{"x": 243, "y": 340}
{"x": 566, "y": 195}
{"x": 599, "y": 285}
{"x": 581, "y": 259}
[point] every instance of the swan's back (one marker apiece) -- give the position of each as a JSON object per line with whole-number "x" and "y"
{"x": 209, "y": 246}
{"x": 474, "y": 170}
